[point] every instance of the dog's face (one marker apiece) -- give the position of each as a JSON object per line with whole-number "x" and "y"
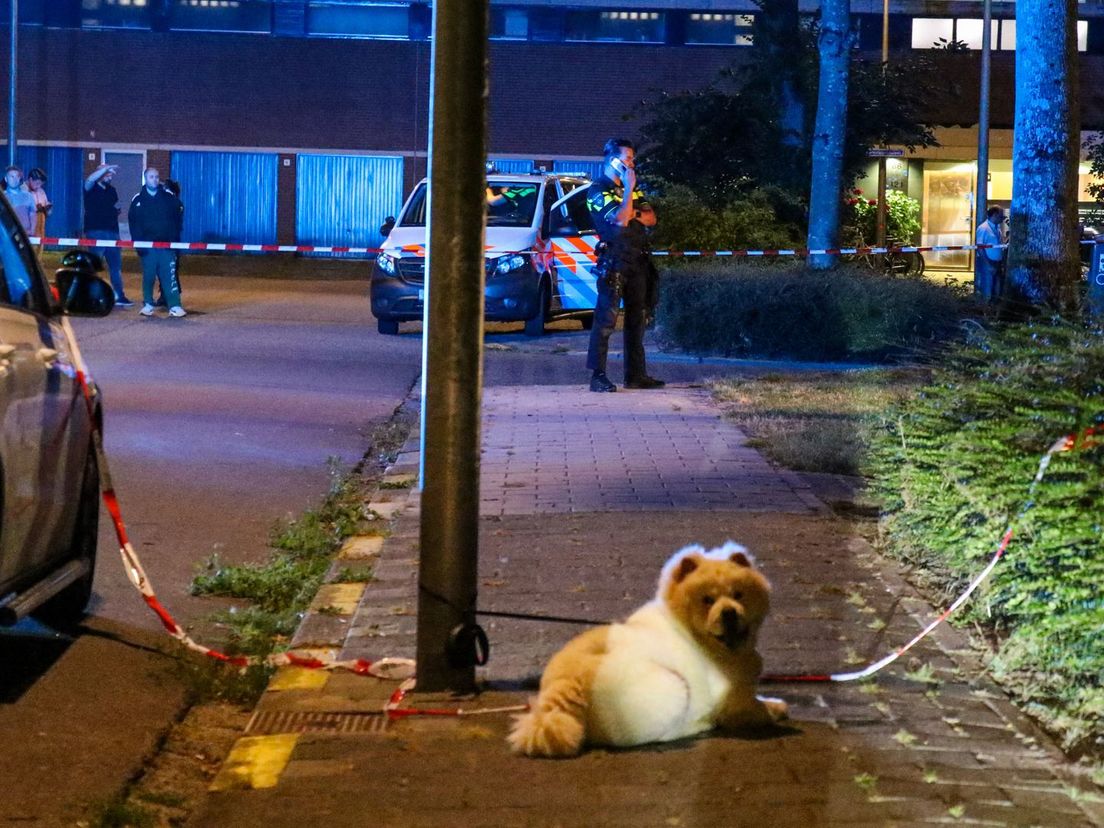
{"x": 719, "y": 596}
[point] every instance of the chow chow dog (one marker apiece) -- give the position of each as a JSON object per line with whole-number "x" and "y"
{"x": 681, "y": 665}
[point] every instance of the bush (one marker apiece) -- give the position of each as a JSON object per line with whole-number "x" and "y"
{"x": 759, "y": 219}
{"x": 952, "y": 468}
{"x": 785, "y": 310}
{"x": 860, "y": 217}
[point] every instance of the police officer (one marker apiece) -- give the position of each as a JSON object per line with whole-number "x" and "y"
{"x": 622, "y": 217}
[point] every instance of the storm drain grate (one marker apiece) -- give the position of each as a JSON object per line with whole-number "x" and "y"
{"x": 269, "y": 722}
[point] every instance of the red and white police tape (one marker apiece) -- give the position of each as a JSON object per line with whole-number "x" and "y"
{"x": 233, "y": 247}
{"x": 1086, "y": 437}
{"x": 403, "y": 669}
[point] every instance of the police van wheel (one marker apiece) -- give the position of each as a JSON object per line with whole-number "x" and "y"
{"x": 587, "y": 321}
{"x": 387, "y": 326}
{"x": 535, "y": 326}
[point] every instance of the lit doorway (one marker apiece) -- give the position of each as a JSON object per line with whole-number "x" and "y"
{"x": 948, "y": 214}
{"x": 127, "y": 182}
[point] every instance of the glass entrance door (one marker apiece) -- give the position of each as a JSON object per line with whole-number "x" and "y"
{"x": 128, "y": 181}
{"x": 948, "y": 215}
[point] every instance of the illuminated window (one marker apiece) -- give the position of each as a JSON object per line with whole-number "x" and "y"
{"x": 337, "y": 19}
{"x": 623, "y": 26}
{"x": 719, "y": 29}
{"x": 927, "y": 31}
{"x": 221, "y": 15}
{"x": 935, "y": 32}
{"x": 115, "y": 14}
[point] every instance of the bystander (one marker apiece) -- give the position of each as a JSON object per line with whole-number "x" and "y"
{"x": 156, "y": 215}
{"x": 21, "y": 200}
{"x": 101, "y": 222}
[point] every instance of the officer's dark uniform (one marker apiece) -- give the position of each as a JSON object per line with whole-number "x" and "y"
{"x": 624, "y": 272}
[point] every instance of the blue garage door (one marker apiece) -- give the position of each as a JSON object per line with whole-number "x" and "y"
{"x": 64, "y": 178}
{"x": 591, "y": 169}
{"x": 228, "y": 196}
{"x": 513, "y": 166}
{"x": 341, "y": 200}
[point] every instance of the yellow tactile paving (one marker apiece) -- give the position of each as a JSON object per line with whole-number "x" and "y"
{"x": 385, "y": 509}
{"x": 360, "y": 547}
{"x": 255, "y": 762}
{"x": 298, "y": 678}
{"x": 398, "y": 480}
{"x": 339, "y": 598}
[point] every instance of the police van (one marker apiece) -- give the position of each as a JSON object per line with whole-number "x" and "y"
{"x": 540, "y": 258}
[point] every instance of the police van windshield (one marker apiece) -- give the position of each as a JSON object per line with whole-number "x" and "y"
{"x": 509, "y": 204}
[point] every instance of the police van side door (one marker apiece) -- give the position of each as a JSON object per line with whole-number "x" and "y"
{"x": 573, "y": 240}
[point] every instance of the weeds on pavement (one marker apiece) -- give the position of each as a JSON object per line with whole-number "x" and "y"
{"x": 815, "y": 422}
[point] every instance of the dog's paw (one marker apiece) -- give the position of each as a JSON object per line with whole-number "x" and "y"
{"x": 777, "y": 708}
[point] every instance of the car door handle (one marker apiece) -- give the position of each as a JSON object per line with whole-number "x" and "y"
{"x": 47, "y": 356}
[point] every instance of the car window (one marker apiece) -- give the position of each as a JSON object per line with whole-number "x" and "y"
{"x": 577, "y": 210}
{"x": 509, "y": 204}
{"x": 552, "y": 194}
{"x": 21, "y": 283}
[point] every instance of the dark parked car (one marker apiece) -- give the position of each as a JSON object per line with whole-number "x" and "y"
{"x": 49, "y": 480}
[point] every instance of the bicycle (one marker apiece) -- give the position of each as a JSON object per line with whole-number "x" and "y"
{"x": 895, "y": 263}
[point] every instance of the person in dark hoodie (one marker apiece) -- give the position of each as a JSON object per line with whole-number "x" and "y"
{"x": 156, "y": 215}
{"x": 174, "y": 188}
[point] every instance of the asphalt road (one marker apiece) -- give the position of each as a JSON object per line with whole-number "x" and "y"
{"x": 217, "y": 426}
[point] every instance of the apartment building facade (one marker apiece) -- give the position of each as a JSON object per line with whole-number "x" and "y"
{"x": 306, "y": 120}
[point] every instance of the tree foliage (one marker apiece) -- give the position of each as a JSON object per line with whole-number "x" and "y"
{"x": 738, "y": 133}
{"x": 952, "y": 468}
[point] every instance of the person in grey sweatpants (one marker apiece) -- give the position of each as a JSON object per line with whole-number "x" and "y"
{"x": 156, "y": 215}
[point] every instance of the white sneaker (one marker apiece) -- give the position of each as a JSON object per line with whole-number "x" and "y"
{"x": 147, "y": 309}
{"x": 177, "y": 311}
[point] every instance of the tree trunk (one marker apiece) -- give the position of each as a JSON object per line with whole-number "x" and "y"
{"x": 830, "y": 130}
{"x": 1043, "y": 262}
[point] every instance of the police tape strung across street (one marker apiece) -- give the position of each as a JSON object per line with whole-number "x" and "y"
{"x": 403, "y": 669}
{"x": 418, "y": 251}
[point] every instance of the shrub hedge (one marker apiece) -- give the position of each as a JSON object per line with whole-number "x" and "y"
{"x": 756, "y": 219}
{"x": 785, "y": 310}
{"x": 952, "y": 468}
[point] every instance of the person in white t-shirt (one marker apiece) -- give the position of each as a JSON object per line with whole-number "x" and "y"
{"x": 21, "y": 201}
{"x": 990, "y": 261}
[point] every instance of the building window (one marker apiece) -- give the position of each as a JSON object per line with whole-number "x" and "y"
{"x": 938, "y": 32}
{"x": 222, "y": 15}
{"x": 616, "y": 26}
{"x": 115, "y": 14}
{"x": 719, "y": 29}
{"x": 509, "y": 24}
{"x": 337, "y": 19}
{"x": 929, "y": 32}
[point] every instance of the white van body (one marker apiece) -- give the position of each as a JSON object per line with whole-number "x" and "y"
{"x": 540, "y": 256}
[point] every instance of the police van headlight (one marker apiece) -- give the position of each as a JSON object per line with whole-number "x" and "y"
{"x": 386, "y": 263}
{"x": 505, "y": 264}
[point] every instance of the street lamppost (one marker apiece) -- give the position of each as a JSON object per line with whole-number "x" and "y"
{"x": 452, "y": 348}
{"x": 880, "y": 215}
{"x": 981, "y": 199}
{"x": 11, "y": 80}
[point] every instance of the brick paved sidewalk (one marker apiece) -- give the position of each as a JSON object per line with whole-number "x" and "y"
{"x": 584, "y": 496}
